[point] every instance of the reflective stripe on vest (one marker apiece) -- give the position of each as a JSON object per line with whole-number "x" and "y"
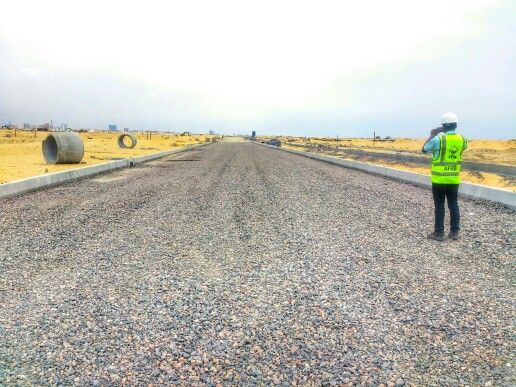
{"x": 439, "y": 164}
{"x": 445, "y": 173}
{"x": 446, "y": 166}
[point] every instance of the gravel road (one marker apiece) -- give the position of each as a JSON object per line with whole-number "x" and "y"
{"x": 240, "y": 264}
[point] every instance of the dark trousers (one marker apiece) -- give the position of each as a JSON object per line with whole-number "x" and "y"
{"x": 442, "y": 192}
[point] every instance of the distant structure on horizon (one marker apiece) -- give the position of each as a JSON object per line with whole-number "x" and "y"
{"x": 63, "y": 127}
{"x": 26, "y": 125}
{"x": 212, "y": 133}
{"x": 126, "y": 129}
{"x": 112, "y": 128}
{"x": 45, "y": 126}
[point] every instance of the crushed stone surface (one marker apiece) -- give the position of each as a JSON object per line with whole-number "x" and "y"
{"x": 237, "y": 264}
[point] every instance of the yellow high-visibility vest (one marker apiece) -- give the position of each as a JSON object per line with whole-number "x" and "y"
{"x": 446, "y": 166}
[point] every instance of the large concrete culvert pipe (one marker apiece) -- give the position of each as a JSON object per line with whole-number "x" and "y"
{"x": 63, "y": 148}
{"x": 123, "y": 145}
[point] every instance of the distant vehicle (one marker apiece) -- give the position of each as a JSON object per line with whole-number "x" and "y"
{"x": 388, "y": 138}
{"x": 274, "y": 142}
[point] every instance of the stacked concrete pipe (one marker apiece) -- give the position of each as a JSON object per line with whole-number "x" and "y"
{"x": 123, "y": 145}
{"x": 63, "y": 148}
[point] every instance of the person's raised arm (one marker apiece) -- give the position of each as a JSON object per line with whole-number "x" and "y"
{"x": 433, "y": 133}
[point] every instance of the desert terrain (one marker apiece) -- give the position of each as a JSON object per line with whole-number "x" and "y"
{"x": 501, "y": 152}
{"x": 21, "y": 155}
{"x": 482, "y": 150}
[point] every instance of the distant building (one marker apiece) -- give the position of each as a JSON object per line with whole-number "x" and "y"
{"x": 27, "y": 126}
{"x": 63, "y": 127}
{"x": 45, "y": 126}
{"x": 253, "y": 136}
{"x": 112, "y": 128}
{"x": 212, "y": 133}
{"x": 126, "y": 129}
{"x": 8, "y": 125}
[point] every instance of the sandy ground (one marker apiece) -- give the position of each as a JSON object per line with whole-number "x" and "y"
{"x": 489, "y": 179}
{"x": 486, "y": 151}
{"x": 484, "y": 178}
{"x": 21, "y": 156}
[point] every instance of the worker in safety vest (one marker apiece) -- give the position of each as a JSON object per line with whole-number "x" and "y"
{"x": 446, "y": 146}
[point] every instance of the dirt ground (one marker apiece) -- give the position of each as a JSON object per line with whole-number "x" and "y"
{"x": 484, "y": 178}
{"x": 486, "y": 151}
{"x": 489, "y": 179}
{"x": 21, "y": 155}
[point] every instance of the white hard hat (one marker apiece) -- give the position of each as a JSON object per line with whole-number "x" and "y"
{"x": 450, "y": 118}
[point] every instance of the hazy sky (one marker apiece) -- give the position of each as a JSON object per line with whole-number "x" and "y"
{"x": 283, "y": 67}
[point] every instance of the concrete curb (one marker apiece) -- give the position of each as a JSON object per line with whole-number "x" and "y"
{"x": 35, "y": 183}
{"x": 468, "y": 190}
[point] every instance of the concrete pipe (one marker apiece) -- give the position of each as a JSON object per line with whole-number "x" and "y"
{"x": 63, "y": 148}
{"x": 123, "y": 145}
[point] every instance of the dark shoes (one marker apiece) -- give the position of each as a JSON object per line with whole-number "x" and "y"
{"x": 454, "y": 234}
{"x": 437, "y": 236}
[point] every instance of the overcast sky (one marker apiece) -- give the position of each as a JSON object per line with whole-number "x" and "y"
{"x": 320, "y": 68}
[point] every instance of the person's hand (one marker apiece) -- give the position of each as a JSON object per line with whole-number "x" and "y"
{"x": 436, "y": 131}
{"x": 433, "y": 133}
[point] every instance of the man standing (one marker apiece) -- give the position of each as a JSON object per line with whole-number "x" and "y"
{"x": 446, "y": 146}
